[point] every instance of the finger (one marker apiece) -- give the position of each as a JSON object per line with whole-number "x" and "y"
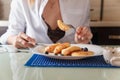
{"x": 27, "y": 38}
{"x": 30, "y": 45}
{"x": 82, "y": 35}
{"x": 85, "y": 34}
{"x": 85, "y": 40}
{"x": 77, "y": 40}
{"x": 16, "y": 43}
{"x": 78, "y": 30}
{"x": 22, "y": 43}
{"x": 81, "y": 30}
{"x": 19, "y": 46}
{"x": 24, "y": 36}
{"x": 84, "y": 31}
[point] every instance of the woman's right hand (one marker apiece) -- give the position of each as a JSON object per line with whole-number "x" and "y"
{"x": 23, "y": 41}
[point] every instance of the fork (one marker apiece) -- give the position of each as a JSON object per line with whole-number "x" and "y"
{"x": 42, "y": 44}
{"x": 71, "y": 26}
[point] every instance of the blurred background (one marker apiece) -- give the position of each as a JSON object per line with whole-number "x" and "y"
{"x": 104, "y": 15}
{"x": 105, "y": 10}
{"x": 4, "y": 9}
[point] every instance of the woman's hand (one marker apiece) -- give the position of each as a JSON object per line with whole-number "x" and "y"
{"x": 83, "y": 35}
{"x": 23, "y": 41}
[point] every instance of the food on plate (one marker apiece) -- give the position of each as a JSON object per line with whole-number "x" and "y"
{"x": 50, "y": 49}
{"x": 62, "y": 26}
{"x": 81, "y": 53}
{"x": 60, "y": 47}
{"x": 66, "y": 49}
{"x": 70, "y": 49}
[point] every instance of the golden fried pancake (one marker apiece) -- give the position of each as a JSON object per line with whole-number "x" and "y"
{"x": 50, "y": 49}
{"x": 69, "y": 50}
{"x": 60, "y": 47}
{"x": 82, "y": 53}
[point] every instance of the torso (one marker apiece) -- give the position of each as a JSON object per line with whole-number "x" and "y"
{"x": 50, "y": 15}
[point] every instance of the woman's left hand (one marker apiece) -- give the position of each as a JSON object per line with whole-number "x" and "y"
{"x": 83, "y": 35}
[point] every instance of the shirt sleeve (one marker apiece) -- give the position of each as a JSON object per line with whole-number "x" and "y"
{"x": 16, "y": 21}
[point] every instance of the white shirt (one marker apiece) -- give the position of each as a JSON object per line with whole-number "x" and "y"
{"x": 25, "y": 18}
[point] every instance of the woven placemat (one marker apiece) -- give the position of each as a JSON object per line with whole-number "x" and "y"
{"x": 92, "y": 62}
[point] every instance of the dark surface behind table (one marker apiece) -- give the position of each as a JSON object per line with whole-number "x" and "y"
{"x": 106, "y": 35}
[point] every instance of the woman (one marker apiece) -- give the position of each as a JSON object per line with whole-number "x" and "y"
{"x": 35, "y": 21}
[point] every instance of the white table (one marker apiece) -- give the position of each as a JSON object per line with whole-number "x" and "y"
{"x": 12, "y": 68}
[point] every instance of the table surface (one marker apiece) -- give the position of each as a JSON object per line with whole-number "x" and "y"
{"x": 12, "y": 68}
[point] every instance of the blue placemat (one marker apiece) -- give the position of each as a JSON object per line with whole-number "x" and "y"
{"x": 92, "y": 62}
